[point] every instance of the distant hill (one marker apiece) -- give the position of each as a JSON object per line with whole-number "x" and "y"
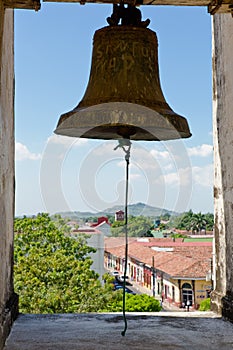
{"x": 133, "y": 209}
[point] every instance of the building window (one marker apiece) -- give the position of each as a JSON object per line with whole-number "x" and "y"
{"x": 173, "y": 293}
{"x": 187, "y": 293}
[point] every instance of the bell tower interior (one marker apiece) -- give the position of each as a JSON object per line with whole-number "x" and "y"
{"x": 222, "y": 72}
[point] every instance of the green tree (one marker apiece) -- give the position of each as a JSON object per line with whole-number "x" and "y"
{"x": 209, "y": 217}
{"x": 182, "y": 222}
{"x": 61, "y": 223}
{"x": 186, "y": 221}
{"x": 111, "y": 218}
{"x": 192, "y": 221}
{"x": 166, "y": 216}
{"x": 138, "y": 226}
{"x": 116, "y": 224}
{"x": 198, "y": 222}
{"x": 52, "y": 271}
{"x": 163, "y": 226}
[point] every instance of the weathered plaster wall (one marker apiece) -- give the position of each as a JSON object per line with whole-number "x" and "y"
{"x": 8, "y": 300}
{"x": 222, "y": 298}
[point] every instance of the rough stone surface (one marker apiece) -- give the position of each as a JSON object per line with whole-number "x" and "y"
{"x": 7, "y": 299}
{"x": 164, "y": 330}
{"x": 222, "y": 298}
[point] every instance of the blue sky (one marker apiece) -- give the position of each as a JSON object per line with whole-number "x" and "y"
{"x": 52, "y": 65}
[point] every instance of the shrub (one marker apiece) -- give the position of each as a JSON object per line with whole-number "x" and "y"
{"x": 134, "y": 303}
{"x": 205, "y": 305}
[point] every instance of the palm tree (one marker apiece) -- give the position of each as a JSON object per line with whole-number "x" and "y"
{"x": 198, "y": 222}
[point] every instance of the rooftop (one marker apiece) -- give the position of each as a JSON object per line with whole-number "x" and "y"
{"x": 185, "y": 259}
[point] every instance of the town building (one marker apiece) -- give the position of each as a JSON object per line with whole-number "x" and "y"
{"x": 95, "y": 239}
{"x": 119, "y": 215}
{"x": 174, "y": 270}
{"x": 102, "y": 225}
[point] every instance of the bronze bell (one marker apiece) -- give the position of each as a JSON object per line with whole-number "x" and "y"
{"x": 124, "y": 97}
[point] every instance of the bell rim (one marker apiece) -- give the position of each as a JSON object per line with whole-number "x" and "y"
{"x": 107, "y": 118}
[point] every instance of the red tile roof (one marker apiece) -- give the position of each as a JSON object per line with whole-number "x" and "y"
{"x": 100, "y": 220}
{"x": 190, "y": 260}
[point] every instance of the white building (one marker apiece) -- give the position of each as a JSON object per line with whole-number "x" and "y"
{"x": 95, "y": 239}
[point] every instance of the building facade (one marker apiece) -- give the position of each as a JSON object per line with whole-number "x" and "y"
{"x": 176, "y": 271}
{"x": 95, "y": 239}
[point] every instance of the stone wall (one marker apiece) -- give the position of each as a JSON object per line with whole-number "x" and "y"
{"x": 222, "y": 297}
{"x": 8, "y": 300}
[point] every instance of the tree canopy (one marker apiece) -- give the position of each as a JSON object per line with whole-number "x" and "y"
{"x": 194, "y": 222}
{"x": 138, "y": 226}
{"x": 52, "y": 270}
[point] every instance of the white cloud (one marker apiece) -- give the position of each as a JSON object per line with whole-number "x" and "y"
{"x": 165, "y": 155}
{"x": 171, "y": 179}
{"x": 107, "y": 149}
{"x": 23, "y": 153}
{"x": 140, "y": 158}
{"x": 67, "y": 141}
{"x": 135, "y": 176}
{"x": 201, "y": 151}
{"x": 168, "y": 167}
{"x": 121, "y": 164}
{"x": 183, "y": 177}
{"x": 203, "y": 176}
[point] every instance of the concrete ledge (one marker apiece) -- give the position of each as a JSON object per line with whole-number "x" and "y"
{"x": 150, "y": 331}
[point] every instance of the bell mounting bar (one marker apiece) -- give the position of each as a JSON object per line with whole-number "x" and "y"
{"x": 214, "y": 6}
{"x": 22, "y": 4}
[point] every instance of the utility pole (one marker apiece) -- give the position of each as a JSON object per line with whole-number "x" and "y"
{"x": 153, "y": 275}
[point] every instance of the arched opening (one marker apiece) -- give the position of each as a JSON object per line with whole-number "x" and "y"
{"x": 223, "y": 295}
{"x": 187, "y": 294}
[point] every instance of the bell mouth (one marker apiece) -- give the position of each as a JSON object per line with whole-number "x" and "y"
{"x": 126, "y": 131}
{"x": 117, "y": 120}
